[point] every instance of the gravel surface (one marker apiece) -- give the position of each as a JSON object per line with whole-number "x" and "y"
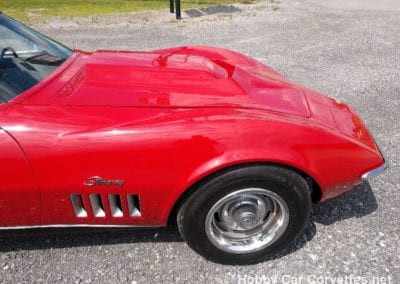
{"x": 351, "y": 52}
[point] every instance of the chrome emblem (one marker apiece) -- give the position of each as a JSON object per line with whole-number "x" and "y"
{"x": 96, "y": 180}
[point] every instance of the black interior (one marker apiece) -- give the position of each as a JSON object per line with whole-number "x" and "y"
{"x": 18, "y": 75}
{"x": 26, "y": 57}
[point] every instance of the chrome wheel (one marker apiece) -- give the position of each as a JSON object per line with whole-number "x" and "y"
{"x": 247, "y": 220}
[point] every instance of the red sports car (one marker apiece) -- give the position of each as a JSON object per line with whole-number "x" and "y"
{"x": 224, "y": 145}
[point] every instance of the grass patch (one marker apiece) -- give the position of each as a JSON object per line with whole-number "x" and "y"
{"x": 26, "y": 10}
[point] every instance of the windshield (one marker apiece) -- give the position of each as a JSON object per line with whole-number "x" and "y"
{"x": 26, "y": 57}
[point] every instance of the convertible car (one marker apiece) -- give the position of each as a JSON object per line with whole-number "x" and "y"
{"x": 209, "y": 139}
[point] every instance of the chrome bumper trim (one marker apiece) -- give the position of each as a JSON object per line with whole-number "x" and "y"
{"x": 375, "y": 171}
{"x": 378, "y": 170}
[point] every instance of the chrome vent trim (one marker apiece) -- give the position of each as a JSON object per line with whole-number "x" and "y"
{"x": 133, "y": 205}
{"x": 78, "y": 205}
{"x": 115, "y": 205}
{"x": 97, "y": 205}
{"x": 102, "y": 205}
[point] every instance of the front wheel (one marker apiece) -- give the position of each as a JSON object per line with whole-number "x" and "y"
{"x": 245, "y": 215}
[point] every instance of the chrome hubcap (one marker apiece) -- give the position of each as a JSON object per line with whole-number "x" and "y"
{"x": 247, "y": 220}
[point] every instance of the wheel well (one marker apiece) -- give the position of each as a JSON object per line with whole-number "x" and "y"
{"x": 315, "y": 189}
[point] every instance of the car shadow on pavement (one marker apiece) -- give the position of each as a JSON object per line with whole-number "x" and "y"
{"x": 47, "y": 238}
{"x": 357, "y": 203}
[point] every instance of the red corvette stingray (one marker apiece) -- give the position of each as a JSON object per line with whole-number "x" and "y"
{"x": 221, "y": 143}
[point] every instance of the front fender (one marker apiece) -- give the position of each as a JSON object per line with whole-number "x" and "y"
{"x": 333, "y": 161}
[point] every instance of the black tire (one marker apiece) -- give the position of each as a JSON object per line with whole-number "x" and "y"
{"x": 287, "y": 184}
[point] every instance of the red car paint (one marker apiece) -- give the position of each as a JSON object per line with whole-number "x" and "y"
{"x": 162, "y": 121}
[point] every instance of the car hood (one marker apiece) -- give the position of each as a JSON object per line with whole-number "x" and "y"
{"x": 190, "y": 77}
{"x": 180, "y": 77}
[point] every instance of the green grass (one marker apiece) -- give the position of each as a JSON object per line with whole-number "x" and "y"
{"x": 27, "y": 10}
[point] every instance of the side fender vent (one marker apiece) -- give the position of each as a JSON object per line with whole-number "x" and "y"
{"x": 115, "y": 205}
{"x": 133, "y": 205}
{"x": 103, "y": 205}
{"x": 78, "y": 206}
{"x": 97, "y": 205}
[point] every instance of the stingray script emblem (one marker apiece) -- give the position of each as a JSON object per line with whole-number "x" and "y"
{"x": 96, "y": 180}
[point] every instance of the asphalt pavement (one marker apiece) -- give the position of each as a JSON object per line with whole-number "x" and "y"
{"x": 347, "y": 49}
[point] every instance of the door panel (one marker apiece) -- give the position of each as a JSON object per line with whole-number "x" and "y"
{"x": 19, "y": 194}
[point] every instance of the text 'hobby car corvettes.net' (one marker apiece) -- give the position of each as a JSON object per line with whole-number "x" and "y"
{"x": 223, "y": 145}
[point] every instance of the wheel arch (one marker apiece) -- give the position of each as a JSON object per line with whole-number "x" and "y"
{"x": 315, "y": 189}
